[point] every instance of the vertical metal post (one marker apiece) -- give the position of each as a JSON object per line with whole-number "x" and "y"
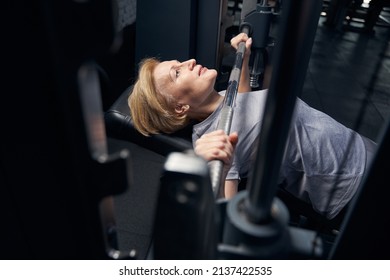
{"x": 292, "y": 53}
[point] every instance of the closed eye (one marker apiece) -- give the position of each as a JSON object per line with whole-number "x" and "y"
{"x": 174, "y": 72}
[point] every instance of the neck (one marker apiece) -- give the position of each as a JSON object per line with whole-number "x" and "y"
{"x": 206, "y": 108}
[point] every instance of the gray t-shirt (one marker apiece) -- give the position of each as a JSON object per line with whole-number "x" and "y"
{"x": 323, "y": 158}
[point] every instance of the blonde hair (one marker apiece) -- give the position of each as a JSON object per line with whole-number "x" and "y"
{"x": 151, "y": 112}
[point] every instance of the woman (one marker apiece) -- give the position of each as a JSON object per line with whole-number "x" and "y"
{"x": 323, "y": 163}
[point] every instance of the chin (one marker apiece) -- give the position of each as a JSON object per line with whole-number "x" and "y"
{"x": 214, "y": 72}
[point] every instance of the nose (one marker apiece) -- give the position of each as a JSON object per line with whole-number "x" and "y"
{"x": 190, "y": 63}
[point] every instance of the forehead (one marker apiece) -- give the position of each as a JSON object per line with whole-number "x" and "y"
{"x": 162, "y": 72}
{"x": 165, "y": 66}
{"x": 162, "y": 77}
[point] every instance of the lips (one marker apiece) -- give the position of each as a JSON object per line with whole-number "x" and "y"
{"x": 202, "y": 70}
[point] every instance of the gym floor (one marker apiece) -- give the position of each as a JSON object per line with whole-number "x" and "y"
{"x": 348, "y": 78}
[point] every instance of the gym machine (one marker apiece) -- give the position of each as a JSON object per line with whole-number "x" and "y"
{"x": 254, "y": 223}
{"x": 58, "y": 176}
{"x": 58, "y": 172}
{"x": 190, "y": 224}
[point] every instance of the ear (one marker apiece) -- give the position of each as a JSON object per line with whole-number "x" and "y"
{"x": 181, "y": 109}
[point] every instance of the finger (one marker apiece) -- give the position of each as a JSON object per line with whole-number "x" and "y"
{"x": 221, "y": 150}
{"x": 248, "y": 43}
{"x": 204, "y": 146}
{"x": 214, "y": 154}
{"x": 215, "y": 136}
{"x": 242, "y": 37}
{"x": 233, "y": 138}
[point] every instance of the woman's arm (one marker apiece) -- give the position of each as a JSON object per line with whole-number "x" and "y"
{"x": 244, "y": 85}
{"x": 230, "y": 189}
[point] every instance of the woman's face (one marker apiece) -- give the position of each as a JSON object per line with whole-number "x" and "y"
{"x": 187, "y": 82}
